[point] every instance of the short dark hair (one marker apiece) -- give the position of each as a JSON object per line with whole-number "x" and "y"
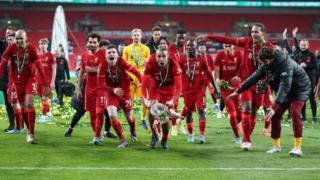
{"x": 156, "y": 28}
{"x": 161, "y": 50}
{"x": 104, "y": 43}
{"x": 164, "y": 38}
{"x": 181, "y": 31}
{"x": 93, "y": 35}
{"x": 44, "y": 40}
{"x": 261, "y": 26}
{"x": 122, "y": 44}
{"x": 266, "y": 53}
{"x": 111, "y": 46}
{"x": 11, "y": 28}
{"x": 12, "y": 35}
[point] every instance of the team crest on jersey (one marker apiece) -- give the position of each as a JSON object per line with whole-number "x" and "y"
{"x": 283, "y": 74}
{"x": 179, "y": 71}
{"x": 308, "y": 59}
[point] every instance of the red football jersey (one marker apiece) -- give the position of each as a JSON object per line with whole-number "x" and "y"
{"x": 92, "y": 60}
{"x": 47, "y": 60}
{"x": 201, "y": 70}
{"x": 248, "y": 65}
{"x": 26, "y": 67}
{"x": 229, "y": 64}
{"x": 117, "y": 76}
{"x": 210, "y": 61}
{"x": 163, "y": 78}
{"x": 173, "y": 49}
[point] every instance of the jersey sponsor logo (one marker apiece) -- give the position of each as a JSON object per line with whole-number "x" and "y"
{"x": 229, "y": 68}
{"x": 179, "y": 71}
{"x": 283, "y": 74}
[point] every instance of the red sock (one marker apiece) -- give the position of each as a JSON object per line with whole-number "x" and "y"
{"x": 233, "y": 119}
{"x": 184, "y": 111}
{"x": 173, "y": 121}
{"x": 93, "y": 120}
{"x": 267, "y": 123}
{"x": 118, "y": 128}
{"x": 18, "y": 116}
{"x": 253, "y": 122}
{"x": 202, "y": 126}
{"x": 190, "y": 127}
{"x": 132, "y": 125}
{"x": 99, "y": 124}
{"x": 25, "y": 118}
{"x": 45, "y": 107}
{"x": 31, "y": 119}
{"x": 246, "y": 126}
{"x": 48, "y": 108}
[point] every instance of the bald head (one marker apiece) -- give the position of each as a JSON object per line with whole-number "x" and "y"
{"x": 21, "y": 38}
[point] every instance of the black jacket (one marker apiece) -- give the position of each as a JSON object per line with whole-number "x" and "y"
{"x": 62, "y": 69}
{"x": 284, "y": 77}
{"x": 309, "y": 59}
{"x": 152, "y": 46}
{"x": 4, "y": 78}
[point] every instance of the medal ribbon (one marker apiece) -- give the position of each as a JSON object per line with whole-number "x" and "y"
{"x": 163, "y": 80}
{"x": 191, "y": 75}
{"x": 20, "y": 67}
{"x": 136, "y": 59}
{"x": 116, "y": 80}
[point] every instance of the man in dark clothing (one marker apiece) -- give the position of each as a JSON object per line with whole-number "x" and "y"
{"x": 80, "y": 111}
{"x": 293, "y": 87}
{"x": 4, "y": 81}
{"x": 154, "y": 42}
{"x": 62, "y": 72}
{"x": 308, "y": 61}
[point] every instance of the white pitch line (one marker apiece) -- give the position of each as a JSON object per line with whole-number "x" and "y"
{"x": 156, "y": 169}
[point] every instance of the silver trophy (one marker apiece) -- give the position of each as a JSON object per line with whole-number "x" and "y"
{"x": 163, "y": 112}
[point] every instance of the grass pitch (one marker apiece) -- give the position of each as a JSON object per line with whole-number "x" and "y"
{"x": 57, "y": 157}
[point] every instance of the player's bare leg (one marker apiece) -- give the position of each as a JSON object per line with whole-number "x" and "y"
{"x": 112, "y": 110}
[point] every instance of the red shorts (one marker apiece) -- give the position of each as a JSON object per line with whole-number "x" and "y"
{"x": 12, "y": 95}
{"x": 40, "y": 89}
{"x": 197, "y": 101}
{"x": 125, "y": 103}
{"x": 165, "y": 98}
{"x": 252, "y": 96}
{"x": 28, "y": 88}
{"x": 231, "y": 104}
{"x": 101, "y": 101}
{"x": 40, "y": 85}
{"x": 90, "y": 102}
